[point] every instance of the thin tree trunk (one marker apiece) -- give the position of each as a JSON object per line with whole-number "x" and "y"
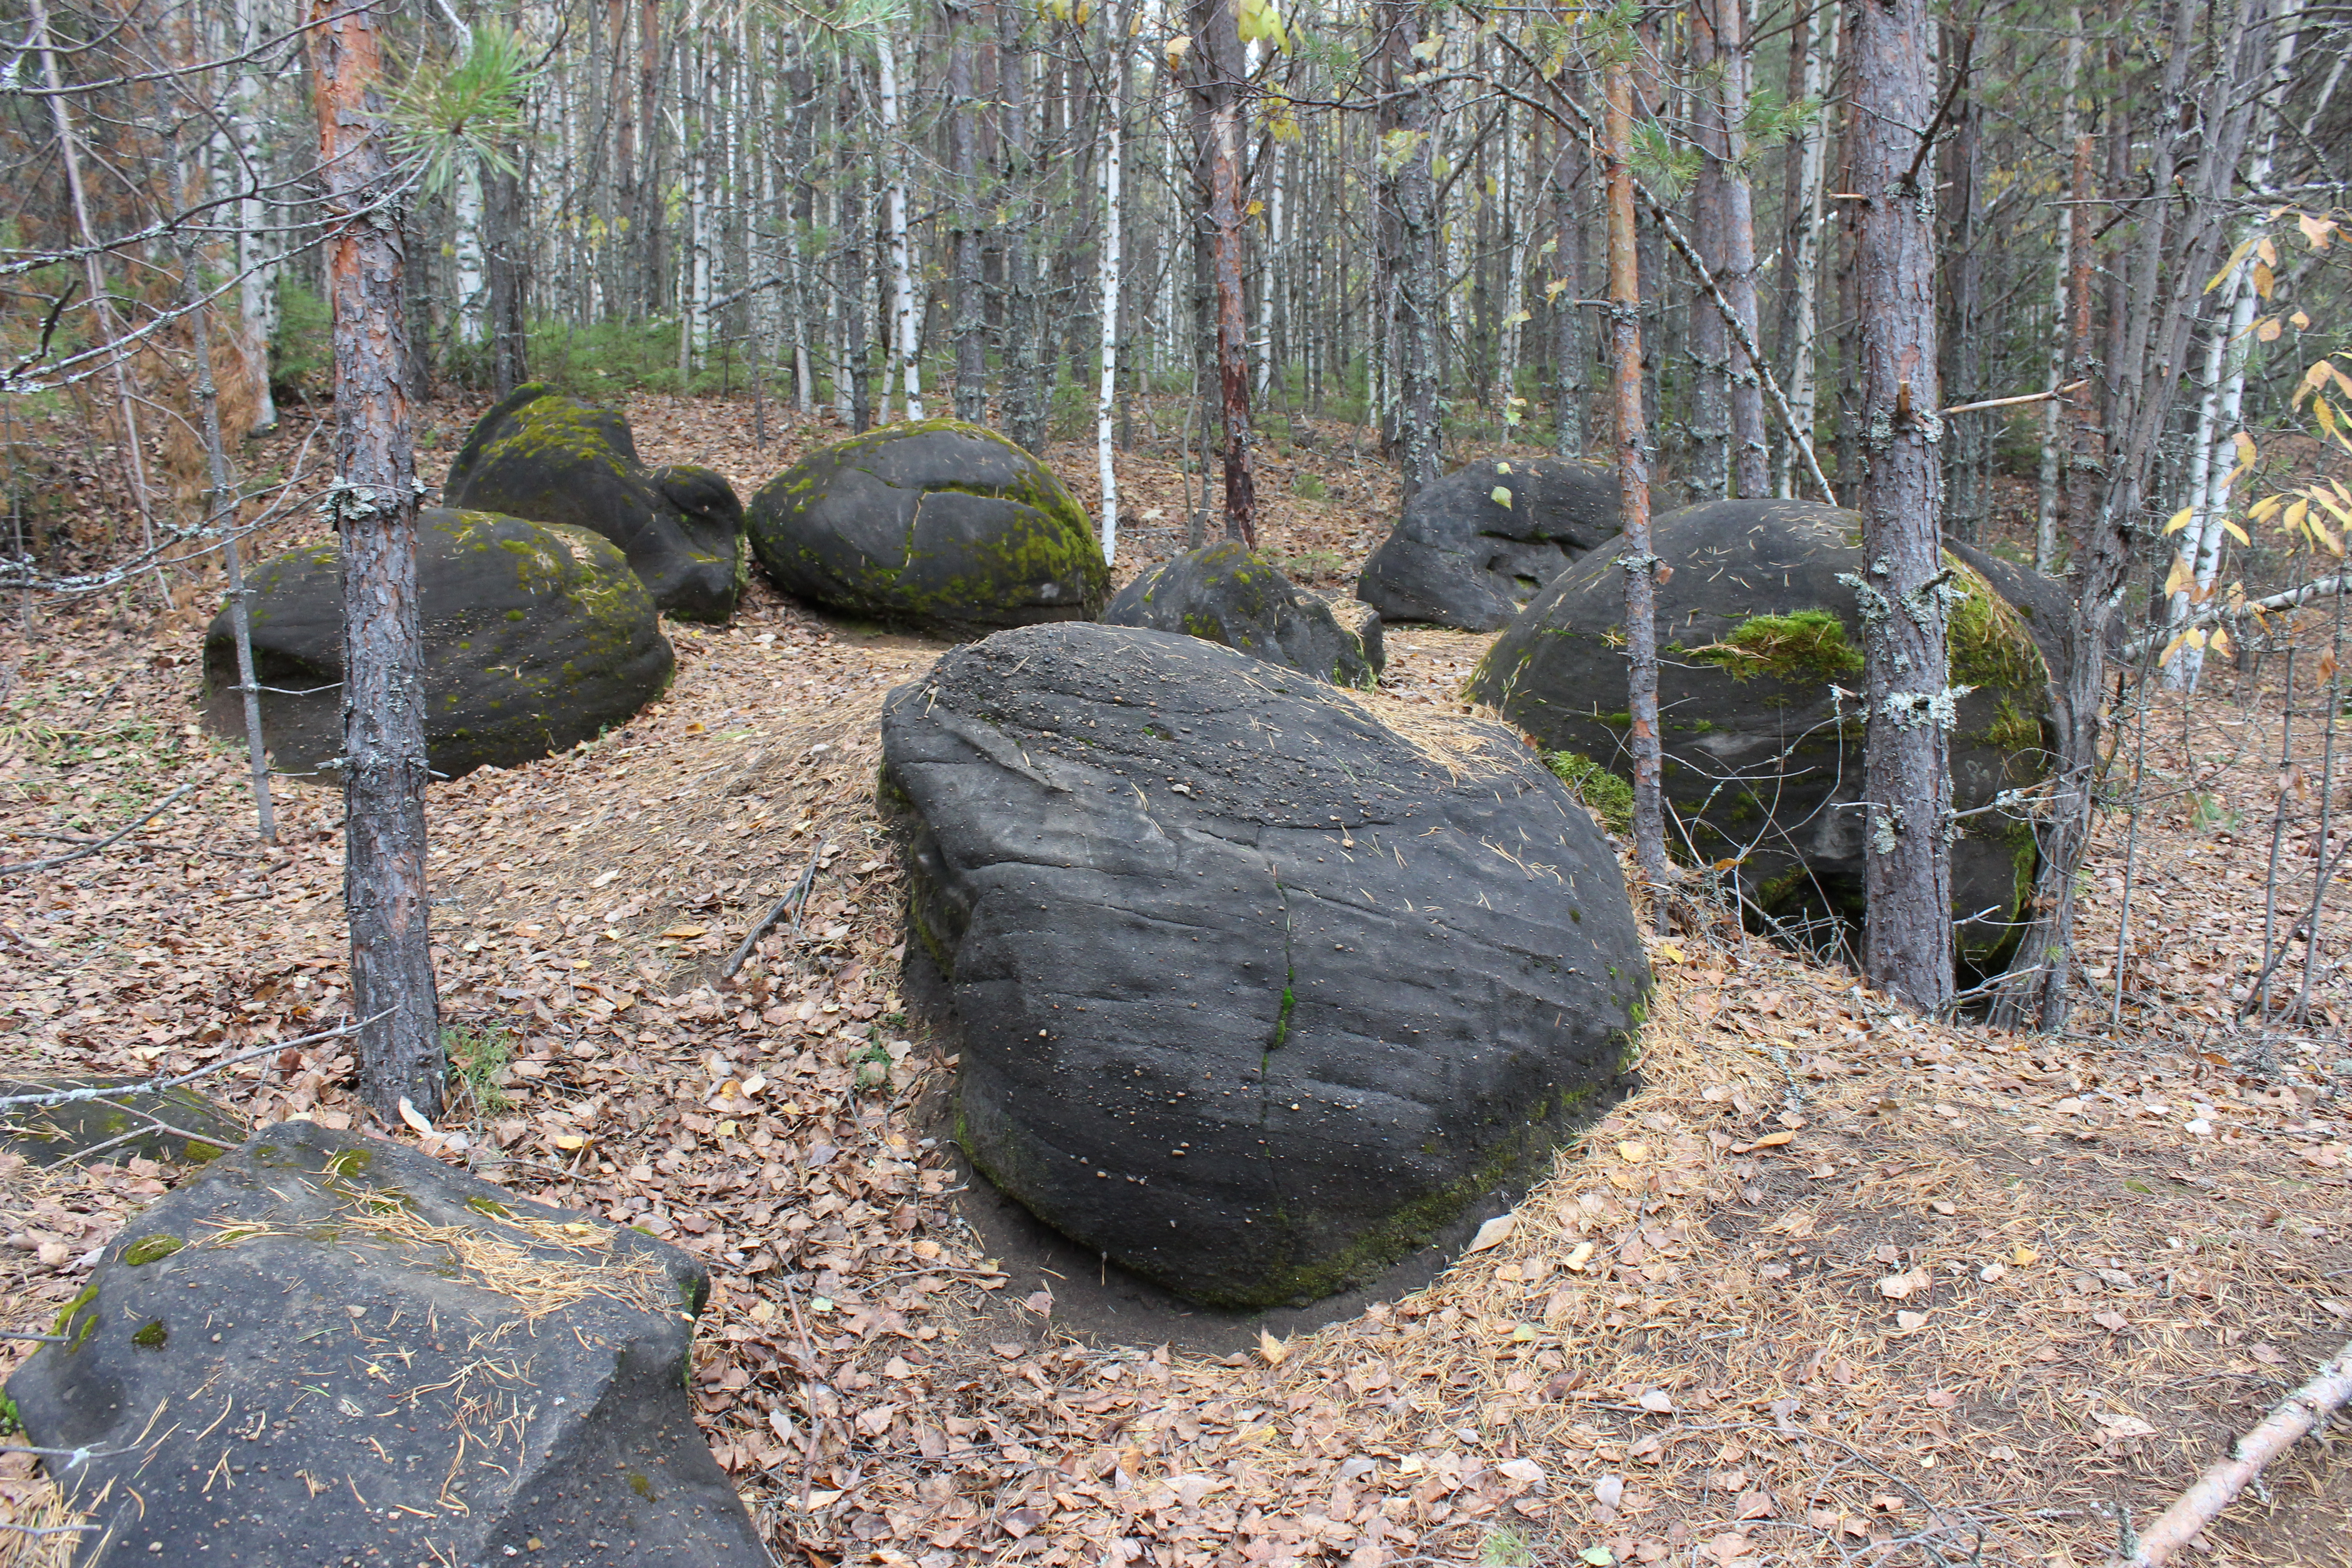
{"x": 1217, "y": 81}
{"x": 1965, "y": 440}
{"x": 971, "y": 302}
{"x": 109, "y": 326}
{"x": 256, "y": 276}
{"x": 1024, "y": 411}
{"x": 1571, "y": 353}
{"x": 905, "y": 317}
{"x": 220, "y": 506}
{"x": 1631, "y": 437}
{"x": 1901, "y": 596}
{"x": 1736, "y": 261}
{"x": 1106, "y": 284}
{"x": 2051, "y": 513}
{"x": 374, "y": 502}
{"x": 1408, "y": 234}
{"x": 1814, "y": 50}
{"x": 1708, "y": 476}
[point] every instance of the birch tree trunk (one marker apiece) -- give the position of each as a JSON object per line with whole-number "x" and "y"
{"x": 257, "y": 274}
{"x": 1106, "y": 283}
{"x": 1902, "y": 595}
{"x": 1808, "y": 199}
{"x": 2050, "y": 512}
{"x": 1407, "y": 234}
{"x": 373, "y": 503}
{"x": 905, "y": 320}
{"x": 1736, "y": 261}
{"x": 1629, "y": 434}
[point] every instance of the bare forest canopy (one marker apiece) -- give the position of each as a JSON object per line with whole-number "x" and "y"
{"x": 874, "y": 207}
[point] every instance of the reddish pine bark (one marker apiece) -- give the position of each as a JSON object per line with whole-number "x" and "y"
{"x": 1902, "y": 592}
{"x": 374, "y": 502}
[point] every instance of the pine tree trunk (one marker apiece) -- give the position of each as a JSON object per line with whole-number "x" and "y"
{"x": 1813, "y": 57}
{"x": 1216, "y": 82}
{"x": 1965, "y": 440}
{"x": 1902, "y": 596}
{"x": 1707, "y": 476}
{"x": 505, "y": 261}
{"x": 1631, "y": 439}
{"x": 373, "y": 503}
{"x": 1025, "y": 412}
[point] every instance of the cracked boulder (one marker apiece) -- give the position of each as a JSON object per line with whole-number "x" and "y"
{"x": 536, "y": 636}
{"x": 1255, "y": 993}
{"x": 331, "y": 1349}
{"x": 1223, "y": 593}
{"x": 1757, "y": 633}
{"x": 1475, "y": 547}
{"x": 540, "y": 455}
{"x": 936, "y": 524}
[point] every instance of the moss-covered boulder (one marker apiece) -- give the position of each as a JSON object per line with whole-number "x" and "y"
{"x": 499, "y": 1380}
{"x": 536, "y": 636}
{"x": 1225, "y": 594}
{"x": 1475, "y": 547}
{"x": 540, "y": 455}
{"x": 937, "y": 524}
{"x": 177, "y": 1124}
{"x": 1763, "y": 756}
{"x": 1253, "y": 992}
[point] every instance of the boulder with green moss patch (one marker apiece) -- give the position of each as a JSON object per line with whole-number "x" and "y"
{"x": 540, "y": 455}
{"x": 1762, "y": 758}
{"x": 178, "y": 1125}
{"x": 1255, "y": 993}
{"x": 937, "y": 525}
{"x": 536, "y": 636}
{"x": 499, "y": 1380}
{"x": 1476, "y": 546}
{"x": 1222, "y": 592}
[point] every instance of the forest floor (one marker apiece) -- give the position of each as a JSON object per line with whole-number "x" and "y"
{"x": 1831, "y": 1285}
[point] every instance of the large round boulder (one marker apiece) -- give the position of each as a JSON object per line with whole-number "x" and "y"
{"x": 540, "y": 455}
{"x": 1225, "y": 593}
{"x": 1476, "y": 546}
{"x": 1758, "y": 632}
{"x": 1255, "y": 993}
{"x": 936, "y": 524}
{"x": 493, "y": 1379}
{"x": 536, "y": 637}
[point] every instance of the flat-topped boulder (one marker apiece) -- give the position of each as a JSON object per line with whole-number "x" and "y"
{"x": 936, "y": 525}
{"x": 1255, "y": 993}
{"x": 1472, "y": 549}
{"x": 540, "y": 454}
{"x": 536, "y": 636}
{"x": 1757, "y": 633}
{"x": 1225, "y": 594}
{"x": 384, "y": 1360}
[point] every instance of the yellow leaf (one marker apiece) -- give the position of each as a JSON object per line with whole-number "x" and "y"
{"x": 1552, "y": 290}
{"x": 2247, "y": 454}
{"x": 2264, "y": 279}
{"x": 684, "y": 933}
{"x": 1580, "y": 1257}
{"x": 1633, "y": 1154}
{"x": 2234, "y": 532}
{"x": 2265, "y": 509}
{"x": 2268, "y": 330}
{"x": 2024, "y": 1257}
{"x": 2171, "y": 648}
{"x": 1667, "y": 952}
{"x": 1502, "y": 497}
{"x": 1272, "y": 1349}
{"x": 2181, "y": 578}
{"x": 571, "y": 1140}
{"x": 2300, "y": 322}
{"x": 1773, "y": 1140}
{"x": 2292, "y": 522}
{"x": 2266, "y": 249}
{"x": 2316, "y": 230}
{"x": 2230, "y": 266}
{"x": 2220, "y": 642}
{"x": 2179, "y": 521}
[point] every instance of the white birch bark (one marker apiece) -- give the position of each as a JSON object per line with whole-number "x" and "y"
{"x": 906, "y": 324}
{"x": 2197, "y": 554}
{"x": 256, "y": 295}
{"x": 1106, "y": 284}
{"x": 1270, "y": 274}
{"x": 1515, "y": 247}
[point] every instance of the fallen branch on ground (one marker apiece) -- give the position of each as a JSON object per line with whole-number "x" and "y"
{"x": 796, "y": 900}
{"x": 158, "y": 1085}
{"x": 2201, "y": 1504}
{"x": 158, "y": 809}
